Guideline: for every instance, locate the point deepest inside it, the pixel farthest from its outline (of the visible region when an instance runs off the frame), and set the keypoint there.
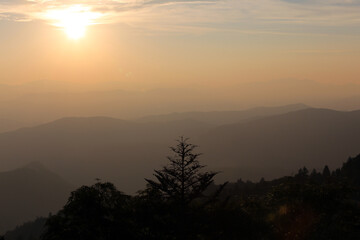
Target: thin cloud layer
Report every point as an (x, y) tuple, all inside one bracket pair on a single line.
[(197, 15)]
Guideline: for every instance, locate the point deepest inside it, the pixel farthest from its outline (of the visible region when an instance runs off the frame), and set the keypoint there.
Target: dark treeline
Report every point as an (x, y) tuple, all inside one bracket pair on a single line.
[(28, 231), (182, 202)]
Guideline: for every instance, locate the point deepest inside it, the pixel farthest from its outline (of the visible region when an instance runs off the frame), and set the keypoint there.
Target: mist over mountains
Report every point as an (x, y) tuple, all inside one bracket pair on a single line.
[(34, 103), (125, 152), (225, 117), (10, 124)]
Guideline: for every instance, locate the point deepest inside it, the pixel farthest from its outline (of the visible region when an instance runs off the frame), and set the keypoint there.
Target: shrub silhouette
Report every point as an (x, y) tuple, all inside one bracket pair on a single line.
[(92, 213)]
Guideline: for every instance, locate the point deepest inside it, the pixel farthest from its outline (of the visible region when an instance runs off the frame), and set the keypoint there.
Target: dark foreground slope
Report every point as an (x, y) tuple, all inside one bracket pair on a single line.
[(318, 205), (29, 192), (31, 230)]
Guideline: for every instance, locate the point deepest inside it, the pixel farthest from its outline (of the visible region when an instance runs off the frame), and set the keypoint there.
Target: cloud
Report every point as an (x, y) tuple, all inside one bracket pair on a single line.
[(200, 15)]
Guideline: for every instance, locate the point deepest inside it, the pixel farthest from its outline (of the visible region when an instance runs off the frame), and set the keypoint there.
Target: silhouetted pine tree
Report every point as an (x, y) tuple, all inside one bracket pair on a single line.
[(182, 181)]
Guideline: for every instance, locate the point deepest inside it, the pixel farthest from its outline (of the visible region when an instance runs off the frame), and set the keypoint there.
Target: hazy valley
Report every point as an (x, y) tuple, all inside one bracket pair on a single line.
[(179, 120)]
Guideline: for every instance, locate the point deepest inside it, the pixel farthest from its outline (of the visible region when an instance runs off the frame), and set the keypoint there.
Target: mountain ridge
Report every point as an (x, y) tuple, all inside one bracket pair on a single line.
[(225, 117), (28, 192), (311, 137), (124, 152)]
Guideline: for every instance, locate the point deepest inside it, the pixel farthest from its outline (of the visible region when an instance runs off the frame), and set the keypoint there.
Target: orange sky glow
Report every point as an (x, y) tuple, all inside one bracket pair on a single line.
[(150, 44)]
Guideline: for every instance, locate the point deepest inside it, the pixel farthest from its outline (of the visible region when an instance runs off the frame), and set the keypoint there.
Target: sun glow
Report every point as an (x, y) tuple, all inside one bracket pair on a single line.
[(73, 20)]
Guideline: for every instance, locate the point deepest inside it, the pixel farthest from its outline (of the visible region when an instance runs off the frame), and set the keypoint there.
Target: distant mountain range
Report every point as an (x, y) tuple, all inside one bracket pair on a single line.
[(276, 145), (33, 103), (10, 125), (29, 192), (268, 142), (225, 117)]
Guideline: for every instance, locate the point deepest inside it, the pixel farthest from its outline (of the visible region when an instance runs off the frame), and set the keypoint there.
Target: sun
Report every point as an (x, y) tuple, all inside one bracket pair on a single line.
[(74, 20)]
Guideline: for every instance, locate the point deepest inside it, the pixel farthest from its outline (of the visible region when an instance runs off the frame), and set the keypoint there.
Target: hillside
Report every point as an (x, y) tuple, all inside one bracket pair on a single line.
[(11, 125), (82, 149), (125, 152), (277, 145), (29, 192), (328, 202)]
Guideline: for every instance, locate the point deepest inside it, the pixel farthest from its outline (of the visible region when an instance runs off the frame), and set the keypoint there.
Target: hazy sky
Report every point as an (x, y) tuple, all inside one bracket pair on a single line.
[(144, 44)]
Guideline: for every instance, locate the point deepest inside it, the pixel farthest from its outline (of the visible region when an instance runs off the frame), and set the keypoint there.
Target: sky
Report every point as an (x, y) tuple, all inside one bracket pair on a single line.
[(205, 44)]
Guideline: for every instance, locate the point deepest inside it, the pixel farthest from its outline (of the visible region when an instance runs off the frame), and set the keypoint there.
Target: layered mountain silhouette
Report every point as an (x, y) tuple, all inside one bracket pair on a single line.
[(82, 149), (226, 117), (274, 146), (45, 101), (124, 152), (10, 124), (29, 192)]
